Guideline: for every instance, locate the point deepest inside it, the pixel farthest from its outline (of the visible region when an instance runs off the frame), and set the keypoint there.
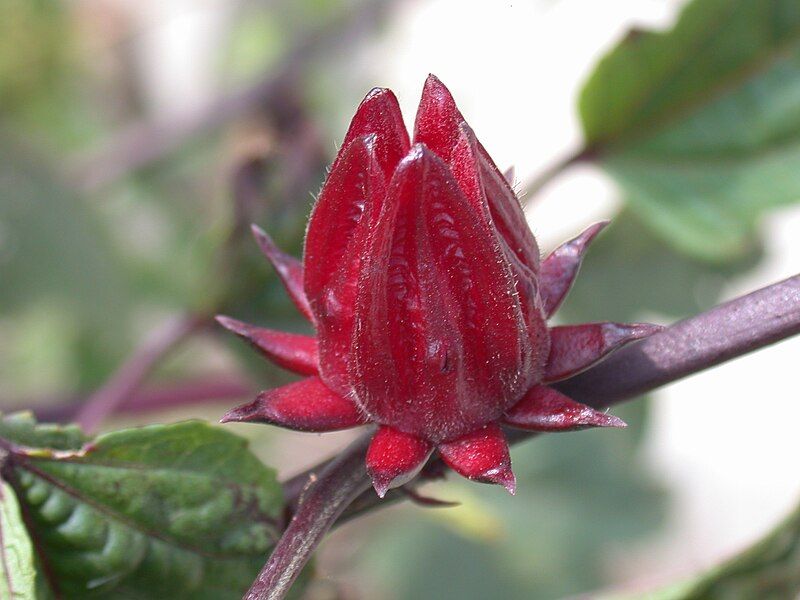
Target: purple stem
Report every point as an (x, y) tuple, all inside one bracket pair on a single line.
[(220, 388), (326, 496), (127, 380), (727, 331)]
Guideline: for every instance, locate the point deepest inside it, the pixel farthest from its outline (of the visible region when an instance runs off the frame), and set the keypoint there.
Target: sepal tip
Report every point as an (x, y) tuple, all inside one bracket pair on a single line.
[(394, 458), (245, 413)]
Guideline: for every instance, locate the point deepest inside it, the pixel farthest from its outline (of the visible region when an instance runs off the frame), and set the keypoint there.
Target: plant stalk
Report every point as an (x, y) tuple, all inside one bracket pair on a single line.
[(324, 499)]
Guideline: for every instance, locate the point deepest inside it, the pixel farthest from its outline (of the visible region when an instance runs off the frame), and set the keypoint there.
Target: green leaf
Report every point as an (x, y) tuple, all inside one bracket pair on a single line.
[(22, 429), (700, 125), (768, 570), (17, 574), (165, 511)]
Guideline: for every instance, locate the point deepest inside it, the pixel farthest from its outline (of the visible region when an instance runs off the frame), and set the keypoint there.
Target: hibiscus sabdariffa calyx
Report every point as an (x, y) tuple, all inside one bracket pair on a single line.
[(429, 298)]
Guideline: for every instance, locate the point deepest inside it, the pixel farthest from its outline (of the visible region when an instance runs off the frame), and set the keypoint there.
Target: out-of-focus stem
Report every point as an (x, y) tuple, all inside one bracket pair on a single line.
[(144, 143), (534, 186), (220, 388), (129, 377)]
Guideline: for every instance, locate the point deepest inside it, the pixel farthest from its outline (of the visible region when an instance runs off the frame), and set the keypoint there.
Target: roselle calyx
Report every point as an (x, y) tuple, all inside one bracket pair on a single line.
[(430, 304)]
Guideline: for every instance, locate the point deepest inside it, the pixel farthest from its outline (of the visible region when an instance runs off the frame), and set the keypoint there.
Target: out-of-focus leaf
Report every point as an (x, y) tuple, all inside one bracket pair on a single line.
[(256, 42), (32, 40), (52, 246), (628, 274), (768, 570), (17, 574), (175, 511), (700, 125)]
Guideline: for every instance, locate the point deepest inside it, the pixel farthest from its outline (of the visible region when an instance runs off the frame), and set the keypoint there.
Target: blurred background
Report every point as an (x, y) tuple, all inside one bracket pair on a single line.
[(139, 138)]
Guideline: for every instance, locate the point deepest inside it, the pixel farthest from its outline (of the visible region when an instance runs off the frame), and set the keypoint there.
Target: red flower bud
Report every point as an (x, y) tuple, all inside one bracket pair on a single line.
[(430, 301)]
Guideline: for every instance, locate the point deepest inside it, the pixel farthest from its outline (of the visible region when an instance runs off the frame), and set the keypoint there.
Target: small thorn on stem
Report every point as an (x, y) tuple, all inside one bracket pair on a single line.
[(427, 501)]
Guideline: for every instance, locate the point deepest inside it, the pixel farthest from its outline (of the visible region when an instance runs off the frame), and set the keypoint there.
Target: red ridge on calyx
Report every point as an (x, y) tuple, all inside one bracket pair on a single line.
[(439, 328), (545, 409), (504, 217), (481, 455), (289, 269), (440, 125), (394, 458), (480, 177), (306, 405), (291, 351), (507, 213), (560, 268), (335, 246), (574, 348), (353, 191)]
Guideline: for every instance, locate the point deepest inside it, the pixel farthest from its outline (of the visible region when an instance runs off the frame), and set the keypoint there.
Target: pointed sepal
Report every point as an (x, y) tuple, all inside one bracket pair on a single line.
[(438, 118), (307, 405), (441, 127), (297, 353), (560, 268), (546, 409), (379, 115), (289, 269), (394, 458), (481, 456), (575, 348)]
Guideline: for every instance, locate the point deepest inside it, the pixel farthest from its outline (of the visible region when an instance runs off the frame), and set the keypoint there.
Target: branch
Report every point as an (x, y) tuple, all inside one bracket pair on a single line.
[(326, 496), (130, 376), (188, 392), (728, 331), (144, 143), (534, 186)]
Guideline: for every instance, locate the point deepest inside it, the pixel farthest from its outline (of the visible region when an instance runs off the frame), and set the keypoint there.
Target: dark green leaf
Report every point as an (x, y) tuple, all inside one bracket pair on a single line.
[(700, 125), (17, 574), (166, 511)]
